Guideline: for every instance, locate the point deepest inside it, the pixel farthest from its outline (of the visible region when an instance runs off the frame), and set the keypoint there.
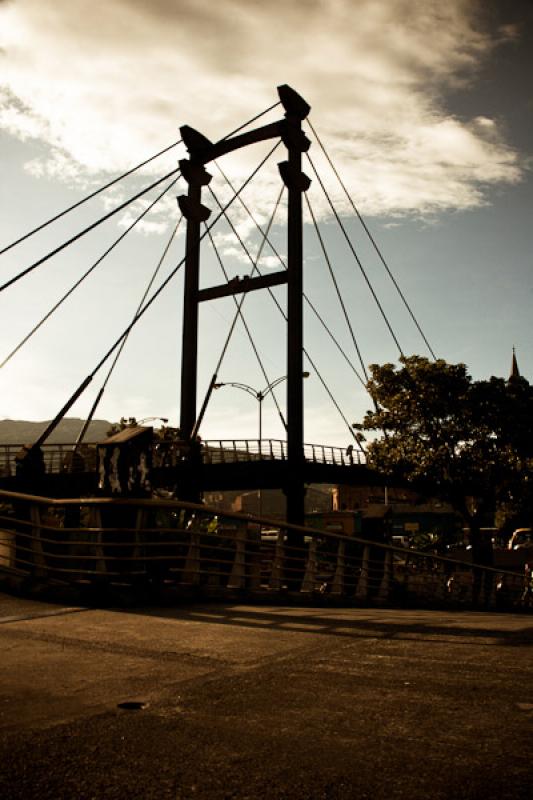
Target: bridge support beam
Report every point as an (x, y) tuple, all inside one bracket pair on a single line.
[(297, 183), (202, 151), (195, 213)]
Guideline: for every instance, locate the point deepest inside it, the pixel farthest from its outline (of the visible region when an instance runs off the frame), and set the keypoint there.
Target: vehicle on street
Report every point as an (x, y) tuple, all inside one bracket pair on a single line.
[(521, 538)]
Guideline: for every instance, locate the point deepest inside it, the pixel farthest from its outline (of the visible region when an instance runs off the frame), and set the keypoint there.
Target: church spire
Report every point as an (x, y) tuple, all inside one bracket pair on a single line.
[(515, 372)]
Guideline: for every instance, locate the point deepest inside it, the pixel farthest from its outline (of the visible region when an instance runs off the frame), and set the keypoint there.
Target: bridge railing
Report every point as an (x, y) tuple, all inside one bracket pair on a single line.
[(60, 457), (179, 546), (57, 458), (220, 451)]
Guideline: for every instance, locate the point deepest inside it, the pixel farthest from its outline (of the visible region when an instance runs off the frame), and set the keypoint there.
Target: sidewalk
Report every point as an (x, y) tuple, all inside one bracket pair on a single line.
[(264, 702)]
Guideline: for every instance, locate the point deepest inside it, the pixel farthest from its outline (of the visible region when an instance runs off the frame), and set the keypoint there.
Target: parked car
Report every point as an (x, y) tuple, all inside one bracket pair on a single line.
[(521, 538)]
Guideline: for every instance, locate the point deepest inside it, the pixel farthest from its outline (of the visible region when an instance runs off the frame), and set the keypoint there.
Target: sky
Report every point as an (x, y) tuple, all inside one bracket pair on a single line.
[(425, 109)]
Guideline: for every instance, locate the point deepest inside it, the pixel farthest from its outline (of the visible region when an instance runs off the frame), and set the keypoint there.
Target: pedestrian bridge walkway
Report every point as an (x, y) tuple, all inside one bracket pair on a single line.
[(59, 457)]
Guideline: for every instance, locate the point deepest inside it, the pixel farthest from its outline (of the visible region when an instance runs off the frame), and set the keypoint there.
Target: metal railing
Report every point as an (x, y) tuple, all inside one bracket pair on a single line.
[(57, 458), (220, 451), (60, 457), (184, 545)]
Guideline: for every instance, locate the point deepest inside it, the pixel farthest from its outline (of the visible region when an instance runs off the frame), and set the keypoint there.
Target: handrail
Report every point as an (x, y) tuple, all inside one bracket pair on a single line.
[(190, 545), (213, 451)]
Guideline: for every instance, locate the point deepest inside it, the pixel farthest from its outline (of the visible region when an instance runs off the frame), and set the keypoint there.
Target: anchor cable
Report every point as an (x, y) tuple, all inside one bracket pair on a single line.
[(111, 183), (255, 268), (373, 241), (336, 285), (306, 298), (99, 396), (112, 212), (88, 229), (243, 319), (88, 197), (276, 302), (81, 388), (86, 274), (358, 260)]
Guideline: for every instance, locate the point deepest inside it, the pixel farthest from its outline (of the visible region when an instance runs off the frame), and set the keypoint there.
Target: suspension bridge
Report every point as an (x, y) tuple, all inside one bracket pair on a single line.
[(292, 460), (121, 532)]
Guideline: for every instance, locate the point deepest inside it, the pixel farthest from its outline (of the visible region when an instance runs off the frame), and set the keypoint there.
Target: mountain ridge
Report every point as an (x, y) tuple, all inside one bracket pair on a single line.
[(14, 431)]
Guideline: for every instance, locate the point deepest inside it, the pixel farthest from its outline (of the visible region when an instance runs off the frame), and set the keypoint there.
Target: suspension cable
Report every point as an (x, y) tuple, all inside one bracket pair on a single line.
[(81, 388), (245, 324), (87, 229), (306, 298), (372, 240), (253, 119), (99, 396), (332, 398), (336, 285), (88, 197), (255, 268), (113, 211), (111, 183), (276, 302), (86, 274), (354, 253)]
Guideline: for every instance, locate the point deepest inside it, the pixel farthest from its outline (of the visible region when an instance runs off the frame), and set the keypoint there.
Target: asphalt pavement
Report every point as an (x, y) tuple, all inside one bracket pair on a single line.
[(217, 701)]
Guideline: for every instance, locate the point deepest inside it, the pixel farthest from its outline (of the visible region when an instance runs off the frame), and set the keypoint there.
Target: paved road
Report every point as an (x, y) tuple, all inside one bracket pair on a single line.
[(264, 702)]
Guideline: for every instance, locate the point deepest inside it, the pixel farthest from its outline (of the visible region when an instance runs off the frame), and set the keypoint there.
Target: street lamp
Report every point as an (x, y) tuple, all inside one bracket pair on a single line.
[(259, 396), (152, 419)]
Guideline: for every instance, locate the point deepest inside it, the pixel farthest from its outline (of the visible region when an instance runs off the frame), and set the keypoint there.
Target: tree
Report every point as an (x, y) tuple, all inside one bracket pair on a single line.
[(468, 442)]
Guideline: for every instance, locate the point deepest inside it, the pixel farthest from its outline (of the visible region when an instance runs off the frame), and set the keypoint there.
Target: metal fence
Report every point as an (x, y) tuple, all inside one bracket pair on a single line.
[(188, 546), (57, 458), (225, 451), (62, 458)]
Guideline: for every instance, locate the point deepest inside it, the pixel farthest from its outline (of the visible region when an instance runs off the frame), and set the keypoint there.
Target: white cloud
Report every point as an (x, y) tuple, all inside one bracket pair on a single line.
[(106, 86)]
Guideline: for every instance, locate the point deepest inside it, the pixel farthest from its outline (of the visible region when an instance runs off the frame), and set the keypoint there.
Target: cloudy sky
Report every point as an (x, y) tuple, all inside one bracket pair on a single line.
[(425, 107)]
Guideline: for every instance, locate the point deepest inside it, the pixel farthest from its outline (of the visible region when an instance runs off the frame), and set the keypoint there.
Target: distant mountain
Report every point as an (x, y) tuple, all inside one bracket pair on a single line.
[(22, 432)]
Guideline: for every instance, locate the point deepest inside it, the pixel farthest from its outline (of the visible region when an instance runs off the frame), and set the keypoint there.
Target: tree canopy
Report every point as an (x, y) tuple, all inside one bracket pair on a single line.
[(468, 442)]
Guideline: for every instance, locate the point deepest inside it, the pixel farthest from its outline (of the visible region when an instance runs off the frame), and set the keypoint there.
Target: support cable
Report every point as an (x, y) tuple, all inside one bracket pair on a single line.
[(253, 119), (256, 269), (87, 229), (86, 274), (113, 212), (99, 396), (372, 240), (354, 253), (284, 315), (306, 298), (245, 324), (336, 285), (239, 304), (332, 398), (88, 197), (81, 388)]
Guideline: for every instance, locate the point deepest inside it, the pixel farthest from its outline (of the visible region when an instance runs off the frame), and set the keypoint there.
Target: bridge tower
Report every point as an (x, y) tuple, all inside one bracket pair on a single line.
[(201, 152)]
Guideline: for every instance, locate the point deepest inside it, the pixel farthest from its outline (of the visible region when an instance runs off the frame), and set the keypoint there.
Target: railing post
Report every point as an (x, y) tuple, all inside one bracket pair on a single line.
[(95, 521), (361, 592), (36, 543), (237, 578), (386, 581), (309, 581), (191, 570), (337, 586), (276, 575)]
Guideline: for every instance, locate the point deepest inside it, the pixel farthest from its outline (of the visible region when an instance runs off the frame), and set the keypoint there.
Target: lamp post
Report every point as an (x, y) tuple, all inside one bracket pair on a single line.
[(259, 396), (152, 419)]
